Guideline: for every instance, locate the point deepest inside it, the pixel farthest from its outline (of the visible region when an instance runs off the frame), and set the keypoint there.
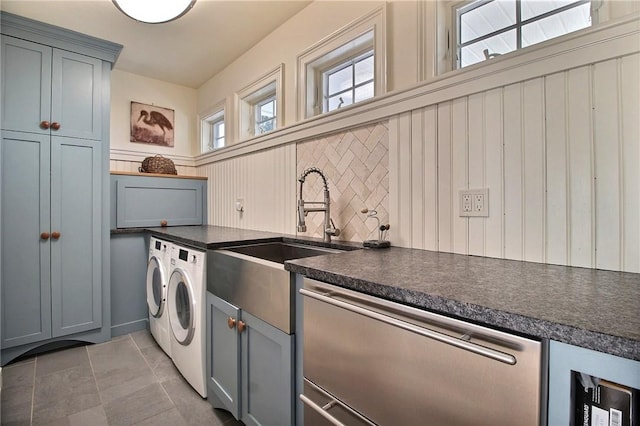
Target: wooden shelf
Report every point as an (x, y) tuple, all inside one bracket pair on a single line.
[(115, 172)]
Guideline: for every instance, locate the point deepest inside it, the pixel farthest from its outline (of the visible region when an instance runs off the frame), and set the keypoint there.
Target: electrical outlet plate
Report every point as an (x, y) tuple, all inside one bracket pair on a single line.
[(474, 202)]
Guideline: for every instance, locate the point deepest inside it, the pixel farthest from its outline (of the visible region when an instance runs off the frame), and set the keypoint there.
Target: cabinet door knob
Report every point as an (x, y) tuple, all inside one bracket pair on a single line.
[(44, 125), (163, 223), (44, 236), (55, 235), (241, 326), (55, 125), (231, 322)]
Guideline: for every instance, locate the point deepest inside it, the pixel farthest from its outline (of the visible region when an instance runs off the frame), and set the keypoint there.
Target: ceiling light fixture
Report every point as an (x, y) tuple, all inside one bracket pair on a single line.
[(154, 11)]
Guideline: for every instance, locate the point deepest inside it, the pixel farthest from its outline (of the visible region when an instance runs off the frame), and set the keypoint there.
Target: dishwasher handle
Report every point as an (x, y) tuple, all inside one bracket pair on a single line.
[(318, 409), (458, 343)]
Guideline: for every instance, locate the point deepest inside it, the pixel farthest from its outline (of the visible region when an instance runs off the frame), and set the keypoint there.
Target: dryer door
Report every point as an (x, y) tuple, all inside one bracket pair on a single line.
[(156, 287), (182, 308)]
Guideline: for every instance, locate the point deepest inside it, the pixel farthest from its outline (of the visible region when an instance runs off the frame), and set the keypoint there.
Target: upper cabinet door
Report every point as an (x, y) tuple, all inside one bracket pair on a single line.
[(76, 95), (26, 85)]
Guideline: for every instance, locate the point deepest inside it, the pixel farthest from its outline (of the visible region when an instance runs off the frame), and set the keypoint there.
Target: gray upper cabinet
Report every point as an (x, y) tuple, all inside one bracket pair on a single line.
[(45, 90), (54, 187), (147, 201), (26, 85)]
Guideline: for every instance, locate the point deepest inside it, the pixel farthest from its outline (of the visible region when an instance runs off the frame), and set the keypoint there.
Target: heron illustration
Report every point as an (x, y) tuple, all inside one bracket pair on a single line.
[(156, 119)]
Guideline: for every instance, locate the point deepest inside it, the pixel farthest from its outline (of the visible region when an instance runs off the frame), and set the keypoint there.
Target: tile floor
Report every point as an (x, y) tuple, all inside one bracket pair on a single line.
[(126, 381)]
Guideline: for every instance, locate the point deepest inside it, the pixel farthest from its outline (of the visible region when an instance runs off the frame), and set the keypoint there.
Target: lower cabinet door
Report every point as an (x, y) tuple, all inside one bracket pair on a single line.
[(223, 355), (267, 381), (76, 242), (25, 243)]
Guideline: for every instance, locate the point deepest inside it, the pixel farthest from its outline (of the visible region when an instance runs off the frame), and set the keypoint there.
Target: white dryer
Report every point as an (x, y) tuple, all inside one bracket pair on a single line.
[(187, 314), (157, 286)]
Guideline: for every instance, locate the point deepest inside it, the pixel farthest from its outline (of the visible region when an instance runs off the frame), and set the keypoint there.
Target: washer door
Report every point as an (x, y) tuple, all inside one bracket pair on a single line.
[(156, 287), (182, 308)]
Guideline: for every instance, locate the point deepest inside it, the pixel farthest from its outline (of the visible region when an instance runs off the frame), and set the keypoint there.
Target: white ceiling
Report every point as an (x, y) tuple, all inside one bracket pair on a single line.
[(187, 51)]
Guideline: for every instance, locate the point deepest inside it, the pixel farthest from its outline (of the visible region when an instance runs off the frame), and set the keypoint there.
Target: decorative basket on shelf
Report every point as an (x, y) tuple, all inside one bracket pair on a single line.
[(158, 164)]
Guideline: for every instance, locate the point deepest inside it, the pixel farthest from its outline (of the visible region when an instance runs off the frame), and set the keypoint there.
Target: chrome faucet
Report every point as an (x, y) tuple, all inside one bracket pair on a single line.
[(329, 227)]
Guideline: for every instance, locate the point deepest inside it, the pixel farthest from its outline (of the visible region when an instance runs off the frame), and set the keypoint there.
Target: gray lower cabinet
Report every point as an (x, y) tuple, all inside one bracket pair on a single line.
[(51, 237), (129, 257), (249, 366)]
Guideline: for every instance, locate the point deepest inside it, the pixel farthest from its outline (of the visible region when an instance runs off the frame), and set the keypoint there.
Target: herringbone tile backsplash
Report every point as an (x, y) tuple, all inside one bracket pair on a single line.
[(356, 163)]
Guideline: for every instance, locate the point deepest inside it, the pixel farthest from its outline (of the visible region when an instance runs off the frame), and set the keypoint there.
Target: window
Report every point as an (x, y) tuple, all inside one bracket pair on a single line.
[(347, 67), (349, 82), (265, 115), (218, 134), (259, 105), (489, 28), (212, 129)]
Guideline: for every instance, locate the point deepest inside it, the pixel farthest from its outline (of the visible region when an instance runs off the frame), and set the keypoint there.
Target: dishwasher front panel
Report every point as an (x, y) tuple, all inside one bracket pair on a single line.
[(397, 365)]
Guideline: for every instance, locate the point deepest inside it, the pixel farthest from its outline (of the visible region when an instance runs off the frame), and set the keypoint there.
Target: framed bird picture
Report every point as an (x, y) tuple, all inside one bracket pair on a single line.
[(152, 124)]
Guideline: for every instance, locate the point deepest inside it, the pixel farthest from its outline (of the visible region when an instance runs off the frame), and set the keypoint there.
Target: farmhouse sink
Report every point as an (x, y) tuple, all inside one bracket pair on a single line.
[(280, 252), (252, 277)]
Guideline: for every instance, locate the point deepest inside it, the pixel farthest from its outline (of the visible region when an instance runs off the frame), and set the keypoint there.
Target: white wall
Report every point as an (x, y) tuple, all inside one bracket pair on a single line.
[(559, 154), (312, 24), (552, 132), (127, 87)]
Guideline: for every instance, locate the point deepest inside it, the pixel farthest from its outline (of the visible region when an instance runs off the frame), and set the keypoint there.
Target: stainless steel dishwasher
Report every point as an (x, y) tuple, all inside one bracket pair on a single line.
[(370, 361)]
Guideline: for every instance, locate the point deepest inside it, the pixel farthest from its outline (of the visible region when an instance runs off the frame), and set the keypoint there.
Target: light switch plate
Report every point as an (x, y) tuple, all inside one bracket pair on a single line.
[(474, 202)]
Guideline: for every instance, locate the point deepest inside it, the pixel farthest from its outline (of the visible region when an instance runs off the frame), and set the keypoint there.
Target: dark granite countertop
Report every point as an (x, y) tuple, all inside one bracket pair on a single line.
[(215, 237), (589, 308)]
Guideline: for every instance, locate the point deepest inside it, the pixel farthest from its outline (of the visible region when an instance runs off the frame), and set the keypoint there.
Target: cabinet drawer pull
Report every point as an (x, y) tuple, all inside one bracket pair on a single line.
[(231, 322), (44, 125), (44, 236), (163, 223), (55, 125), (241, 326), (55, 235)]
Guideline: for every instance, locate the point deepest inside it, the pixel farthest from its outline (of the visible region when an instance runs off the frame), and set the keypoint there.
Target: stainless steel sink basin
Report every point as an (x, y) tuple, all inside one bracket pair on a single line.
[(279, 252), (252, 277)]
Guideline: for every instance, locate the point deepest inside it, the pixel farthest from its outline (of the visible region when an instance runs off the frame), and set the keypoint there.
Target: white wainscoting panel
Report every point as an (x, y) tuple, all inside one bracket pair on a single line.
[(560, 155), (265, 180)]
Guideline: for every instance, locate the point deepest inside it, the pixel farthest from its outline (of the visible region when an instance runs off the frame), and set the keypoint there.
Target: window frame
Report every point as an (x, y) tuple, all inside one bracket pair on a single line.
[(365, 33), (339, 66), (266, 87), (459, 9), (208, 119)]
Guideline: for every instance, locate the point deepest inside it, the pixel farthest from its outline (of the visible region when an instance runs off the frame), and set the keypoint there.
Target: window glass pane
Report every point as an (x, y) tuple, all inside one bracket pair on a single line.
[(218, 135), (266, 110), (266, 126), (364, 92), (531, 8), (498, 44), (340, 80), (486, 19), (340, 101), (364, 70), (556, 25)]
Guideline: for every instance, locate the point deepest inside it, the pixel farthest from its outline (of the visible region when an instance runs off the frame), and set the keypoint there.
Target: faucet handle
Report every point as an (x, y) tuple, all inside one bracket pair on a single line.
[(333, 230)]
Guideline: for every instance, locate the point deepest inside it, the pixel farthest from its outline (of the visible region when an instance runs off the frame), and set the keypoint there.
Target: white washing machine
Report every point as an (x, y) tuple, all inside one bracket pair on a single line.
[(187, 315), (157, 286)]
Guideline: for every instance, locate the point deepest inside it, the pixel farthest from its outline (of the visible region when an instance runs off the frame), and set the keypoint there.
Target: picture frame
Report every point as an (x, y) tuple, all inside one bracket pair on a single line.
[(152, 124)]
